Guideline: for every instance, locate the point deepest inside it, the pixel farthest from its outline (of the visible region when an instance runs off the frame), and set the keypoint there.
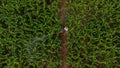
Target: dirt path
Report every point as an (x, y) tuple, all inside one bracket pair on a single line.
[(63, 35)]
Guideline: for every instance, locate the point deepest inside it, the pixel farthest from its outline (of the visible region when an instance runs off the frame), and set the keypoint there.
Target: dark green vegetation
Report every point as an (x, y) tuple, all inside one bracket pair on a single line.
[(29, 33)]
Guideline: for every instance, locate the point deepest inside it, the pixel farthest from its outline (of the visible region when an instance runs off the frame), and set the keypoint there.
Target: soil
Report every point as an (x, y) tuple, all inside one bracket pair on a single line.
[(63, 36), (64, 50)]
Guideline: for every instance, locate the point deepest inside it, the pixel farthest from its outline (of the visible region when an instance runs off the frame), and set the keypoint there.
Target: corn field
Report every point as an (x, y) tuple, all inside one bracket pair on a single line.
[(29, 33)]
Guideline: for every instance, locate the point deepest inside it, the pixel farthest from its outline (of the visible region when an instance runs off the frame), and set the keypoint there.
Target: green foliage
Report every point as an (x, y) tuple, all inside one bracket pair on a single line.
[(29, 33)]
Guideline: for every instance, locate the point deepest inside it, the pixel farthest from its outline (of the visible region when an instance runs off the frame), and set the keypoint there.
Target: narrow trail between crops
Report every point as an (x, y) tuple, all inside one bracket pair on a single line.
[(63, 35)]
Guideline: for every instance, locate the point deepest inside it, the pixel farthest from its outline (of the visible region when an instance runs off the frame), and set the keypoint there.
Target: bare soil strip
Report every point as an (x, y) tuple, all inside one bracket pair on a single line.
[(63, 36)]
